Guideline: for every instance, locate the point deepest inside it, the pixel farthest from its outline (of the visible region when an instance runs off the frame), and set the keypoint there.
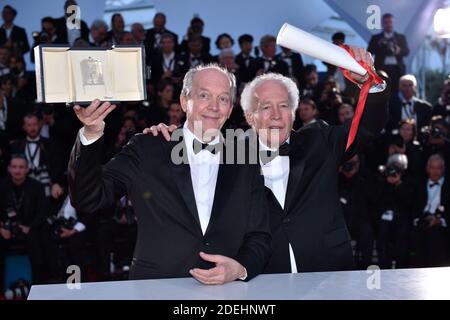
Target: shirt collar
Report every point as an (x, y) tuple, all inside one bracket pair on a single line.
[(170, 56), (189, 137), (263, 147), (440, 181)]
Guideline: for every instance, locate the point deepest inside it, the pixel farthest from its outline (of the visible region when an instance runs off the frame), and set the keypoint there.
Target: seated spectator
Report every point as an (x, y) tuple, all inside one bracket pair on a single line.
[(432, 216)]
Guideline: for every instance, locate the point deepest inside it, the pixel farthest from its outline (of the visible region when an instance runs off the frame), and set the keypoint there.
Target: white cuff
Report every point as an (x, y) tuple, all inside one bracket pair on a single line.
[(79, 227), (245, 275), (86, 142)]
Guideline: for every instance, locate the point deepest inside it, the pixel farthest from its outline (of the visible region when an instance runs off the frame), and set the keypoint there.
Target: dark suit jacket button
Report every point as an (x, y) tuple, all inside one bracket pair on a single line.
[(206, 243), (286, 220)]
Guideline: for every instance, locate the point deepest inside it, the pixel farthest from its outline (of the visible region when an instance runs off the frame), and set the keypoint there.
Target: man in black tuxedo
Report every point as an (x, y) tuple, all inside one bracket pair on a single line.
[(389, 48), (309, 232), (69, 36), (166, 63), (185, 201), (294, 61), (153, 36), (405, 105), (195, 55), (432, 216), (12, 36), (196, 30), (269, 62), (245, 60), (43, 158)]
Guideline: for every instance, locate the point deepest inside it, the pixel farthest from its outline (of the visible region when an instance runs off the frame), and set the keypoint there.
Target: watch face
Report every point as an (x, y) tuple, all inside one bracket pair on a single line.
[(92, 72)]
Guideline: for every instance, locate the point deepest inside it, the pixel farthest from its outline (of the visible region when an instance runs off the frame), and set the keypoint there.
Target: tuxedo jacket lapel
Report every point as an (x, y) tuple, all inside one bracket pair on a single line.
[(182, 178), (296, 168)]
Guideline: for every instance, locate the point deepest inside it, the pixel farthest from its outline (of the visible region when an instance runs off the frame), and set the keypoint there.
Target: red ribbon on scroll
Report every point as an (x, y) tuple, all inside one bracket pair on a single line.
[(373, 79)]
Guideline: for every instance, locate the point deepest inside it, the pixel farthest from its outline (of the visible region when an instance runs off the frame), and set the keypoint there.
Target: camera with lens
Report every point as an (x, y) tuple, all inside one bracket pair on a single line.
[(396, 165), (12, 223), (432, 132), (348, 166), (40, 37), (59, 223), (425, 220)]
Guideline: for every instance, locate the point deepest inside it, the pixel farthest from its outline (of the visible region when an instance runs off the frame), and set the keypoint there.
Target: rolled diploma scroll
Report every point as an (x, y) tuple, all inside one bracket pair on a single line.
[(304, 42)]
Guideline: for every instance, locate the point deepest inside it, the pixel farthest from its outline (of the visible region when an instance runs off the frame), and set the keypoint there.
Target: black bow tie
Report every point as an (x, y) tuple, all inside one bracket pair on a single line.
[(32, 142), (406, 103), (198, 146), (267, 155), (433, 184)]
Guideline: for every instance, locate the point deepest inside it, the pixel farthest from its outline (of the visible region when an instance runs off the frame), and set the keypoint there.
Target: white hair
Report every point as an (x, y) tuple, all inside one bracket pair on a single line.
[(409, 77), (436, 157), (189, 78), (248, 95)]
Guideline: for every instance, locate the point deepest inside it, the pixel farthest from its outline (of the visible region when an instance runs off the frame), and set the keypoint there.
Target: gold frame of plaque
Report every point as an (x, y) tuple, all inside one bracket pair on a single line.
[(79, 75)]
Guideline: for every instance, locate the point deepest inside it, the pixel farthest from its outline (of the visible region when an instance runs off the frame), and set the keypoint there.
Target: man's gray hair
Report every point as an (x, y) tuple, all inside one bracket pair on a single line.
[(99, 23), (436, 157), (189, 78), (248, 98)]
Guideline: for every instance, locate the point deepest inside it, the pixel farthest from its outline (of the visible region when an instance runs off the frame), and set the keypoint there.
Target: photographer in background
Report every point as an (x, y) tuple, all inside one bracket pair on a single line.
[(442, 106), (402, 140), (23, 208), (47, 35), (394, 208), (435, 138), (432, 217), (389, 48), (68, 239)]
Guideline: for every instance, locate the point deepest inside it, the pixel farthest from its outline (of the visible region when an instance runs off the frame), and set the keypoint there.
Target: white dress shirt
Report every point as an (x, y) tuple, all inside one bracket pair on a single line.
[(276, 176), (68, 211), (434, 197), (168, 62), (204, 169), (30, 151)]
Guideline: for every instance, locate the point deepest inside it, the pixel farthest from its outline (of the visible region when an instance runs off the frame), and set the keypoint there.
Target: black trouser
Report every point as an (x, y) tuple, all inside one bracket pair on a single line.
[(34, 247), (393, 243), (117, 239), (72, 251), (365, 243)]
